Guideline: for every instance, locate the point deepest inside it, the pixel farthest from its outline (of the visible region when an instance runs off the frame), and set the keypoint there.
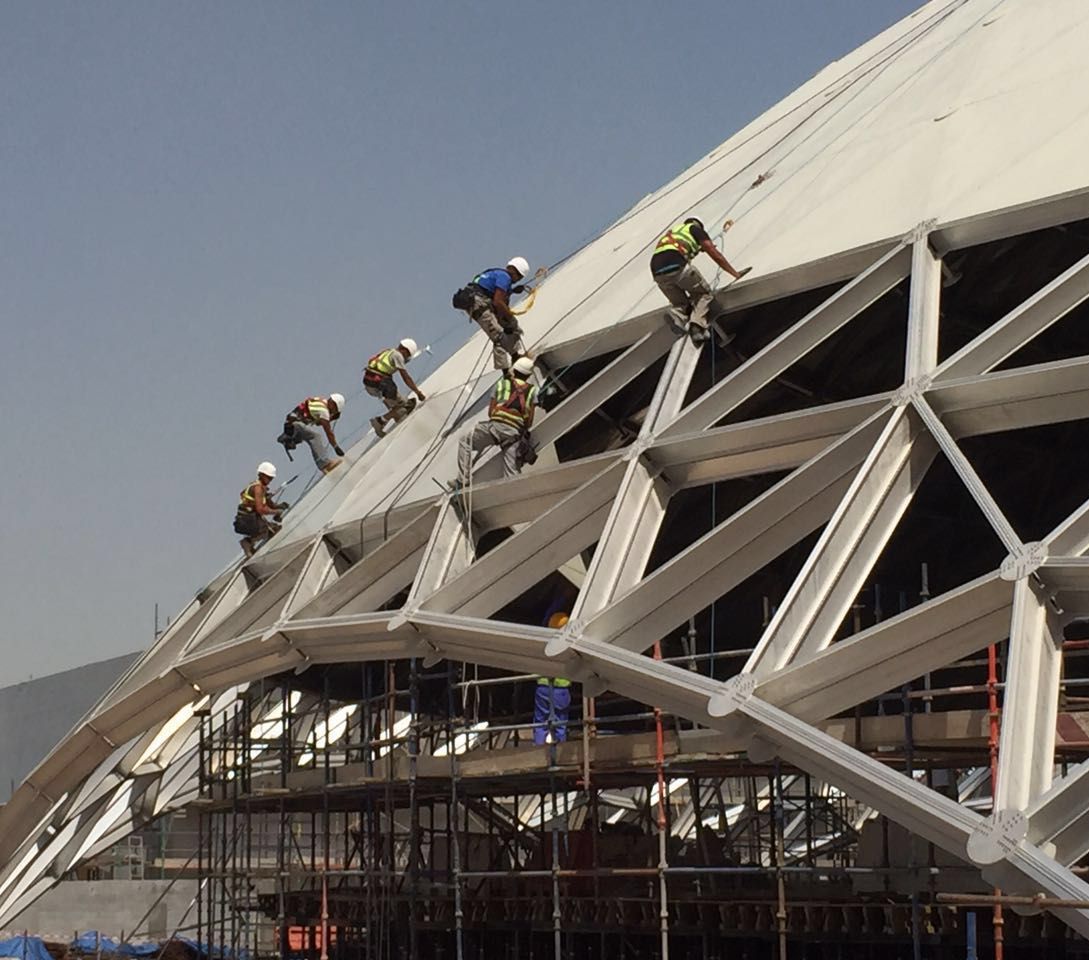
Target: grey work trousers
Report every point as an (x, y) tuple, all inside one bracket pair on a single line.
[(314, 437), (503, 344), (490, 433), (397, 405), (689, 293)]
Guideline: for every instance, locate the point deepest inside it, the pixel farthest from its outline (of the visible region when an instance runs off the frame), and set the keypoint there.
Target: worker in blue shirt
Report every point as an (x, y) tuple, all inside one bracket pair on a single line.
[(487, 301)]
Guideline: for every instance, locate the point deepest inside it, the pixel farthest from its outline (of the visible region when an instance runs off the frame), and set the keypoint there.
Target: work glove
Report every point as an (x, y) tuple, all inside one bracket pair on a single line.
[(339, 451), (741, 273)]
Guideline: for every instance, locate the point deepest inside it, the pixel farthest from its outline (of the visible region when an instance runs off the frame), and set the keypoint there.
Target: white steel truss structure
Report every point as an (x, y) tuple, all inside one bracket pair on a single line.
[(848, 469)]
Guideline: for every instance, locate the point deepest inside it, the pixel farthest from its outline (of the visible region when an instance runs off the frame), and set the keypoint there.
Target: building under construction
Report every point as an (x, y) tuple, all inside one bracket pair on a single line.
[(825, 573)]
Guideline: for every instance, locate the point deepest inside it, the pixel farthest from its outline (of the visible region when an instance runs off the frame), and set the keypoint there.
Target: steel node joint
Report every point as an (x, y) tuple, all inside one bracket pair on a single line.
[(1024, 562), (565, 640), (732, 696), (912, 390), (996, 838), (920, 232), (403, 617)]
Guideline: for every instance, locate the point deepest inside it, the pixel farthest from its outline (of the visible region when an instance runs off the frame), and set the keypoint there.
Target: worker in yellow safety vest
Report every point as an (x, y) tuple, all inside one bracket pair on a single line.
[(683, 285), (255, 506), (552, 702), (378, 382), (311, 422), (510, 415)]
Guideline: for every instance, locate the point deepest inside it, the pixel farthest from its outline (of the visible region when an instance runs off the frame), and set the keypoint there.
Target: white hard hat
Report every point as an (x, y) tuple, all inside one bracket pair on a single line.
[(521, 264), (410, 345), (338, 399), (267, 469), (524, 366)]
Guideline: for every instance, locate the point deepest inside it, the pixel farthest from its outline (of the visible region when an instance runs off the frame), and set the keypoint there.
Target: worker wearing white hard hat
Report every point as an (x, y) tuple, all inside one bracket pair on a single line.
[(487, 301), (311, 422), (510, 416), (378, 382), (255, 507)]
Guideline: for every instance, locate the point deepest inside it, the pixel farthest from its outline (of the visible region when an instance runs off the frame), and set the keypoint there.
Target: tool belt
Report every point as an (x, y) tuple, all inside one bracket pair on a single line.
[(380, 386), (463, 298), (248, 524), (525, 453), (287, 438)]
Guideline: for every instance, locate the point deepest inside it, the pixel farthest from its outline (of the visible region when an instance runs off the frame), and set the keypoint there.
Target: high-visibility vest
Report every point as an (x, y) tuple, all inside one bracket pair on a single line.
[(679, 238), (553, 682), (514, 401), (381, 365), (247, 499), (313, 409)]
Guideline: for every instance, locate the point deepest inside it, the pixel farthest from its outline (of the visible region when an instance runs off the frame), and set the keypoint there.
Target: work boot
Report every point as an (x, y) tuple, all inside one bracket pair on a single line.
[(379, 426), (678, 328), (697, 332)]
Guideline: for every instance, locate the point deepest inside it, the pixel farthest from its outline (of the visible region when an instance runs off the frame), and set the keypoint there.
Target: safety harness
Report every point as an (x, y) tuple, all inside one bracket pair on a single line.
[(380, 367), (514, 401), (247, 499), (679, 238), (311, 410)]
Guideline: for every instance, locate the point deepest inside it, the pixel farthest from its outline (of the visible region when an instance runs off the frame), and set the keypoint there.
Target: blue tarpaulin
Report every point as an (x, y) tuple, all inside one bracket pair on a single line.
[(24, 948), (89, 941)]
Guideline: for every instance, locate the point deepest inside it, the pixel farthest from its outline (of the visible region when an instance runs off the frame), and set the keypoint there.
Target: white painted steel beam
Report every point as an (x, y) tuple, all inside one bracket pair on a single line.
[(813, 610), (1060, 816), (602, 386), (320, 569), (758, 446), (1026, 752), (1030, 318), (932, 635), (381, 574), (507, 504), (921, 356), (639, 507), (533, 552), (967, 473), (794, 343), (450, 549), (1014, 399), (737, 548), (1071, 537), (259, 607)]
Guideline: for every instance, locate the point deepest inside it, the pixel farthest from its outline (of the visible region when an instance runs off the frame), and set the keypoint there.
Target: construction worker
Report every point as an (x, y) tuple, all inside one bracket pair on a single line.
[(311, 422), (552, 701), (487, 301), (510, 415), (255, 505), (378, 382), (683, 285)]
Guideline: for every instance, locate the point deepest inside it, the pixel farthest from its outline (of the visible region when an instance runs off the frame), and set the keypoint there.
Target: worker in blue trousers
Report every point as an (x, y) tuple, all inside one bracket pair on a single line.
[(552, 702)]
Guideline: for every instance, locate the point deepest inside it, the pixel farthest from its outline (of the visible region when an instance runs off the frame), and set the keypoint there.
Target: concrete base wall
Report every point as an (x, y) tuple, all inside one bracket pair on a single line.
[(109, 906)]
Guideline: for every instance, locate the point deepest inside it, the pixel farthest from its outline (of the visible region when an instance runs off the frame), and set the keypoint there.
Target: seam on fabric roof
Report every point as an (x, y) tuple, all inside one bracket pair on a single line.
[(922, 28)]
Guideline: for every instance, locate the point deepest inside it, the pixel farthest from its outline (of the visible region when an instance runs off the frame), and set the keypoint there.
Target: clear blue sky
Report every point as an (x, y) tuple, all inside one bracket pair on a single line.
[(210, 210)]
